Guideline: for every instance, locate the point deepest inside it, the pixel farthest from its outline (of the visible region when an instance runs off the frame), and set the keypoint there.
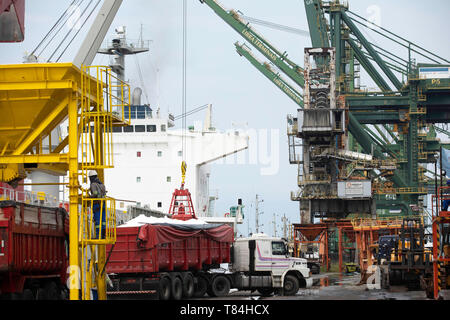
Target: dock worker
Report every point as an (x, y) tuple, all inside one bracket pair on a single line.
[(98, 191)]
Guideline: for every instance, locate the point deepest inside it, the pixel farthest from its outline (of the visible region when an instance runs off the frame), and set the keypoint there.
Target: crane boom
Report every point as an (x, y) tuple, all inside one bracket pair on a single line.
[(317, 24), (97, 33), (291, 69), (273, 76), (354, 127)]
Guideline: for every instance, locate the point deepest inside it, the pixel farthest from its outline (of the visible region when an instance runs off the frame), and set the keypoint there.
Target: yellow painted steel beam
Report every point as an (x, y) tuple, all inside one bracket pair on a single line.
[(37, 85), (62, 145), (6, 128), (59, 169), (74, 259), (32, 158), (44, 128), (43, 184)]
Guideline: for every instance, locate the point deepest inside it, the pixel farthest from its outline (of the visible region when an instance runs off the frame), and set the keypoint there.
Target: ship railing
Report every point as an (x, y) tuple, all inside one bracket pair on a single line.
[(98, 221), (28, 197)]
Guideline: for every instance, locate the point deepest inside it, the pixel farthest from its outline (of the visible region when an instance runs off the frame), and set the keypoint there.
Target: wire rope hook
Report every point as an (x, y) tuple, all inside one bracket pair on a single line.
[(183, 173), (184, 95)]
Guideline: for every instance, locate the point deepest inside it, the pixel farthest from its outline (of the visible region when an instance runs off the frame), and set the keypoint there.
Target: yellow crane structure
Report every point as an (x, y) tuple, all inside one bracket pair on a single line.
[(34, 100), (37, 98)]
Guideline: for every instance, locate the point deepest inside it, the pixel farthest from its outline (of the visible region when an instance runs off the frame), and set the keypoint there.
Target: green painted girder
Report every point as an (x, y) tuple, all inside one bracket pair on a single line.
[(368, 66), (266, 70), (387, 71), (395, 147), (317, 24), (363, 137), (279, 59), (295, 73), (377, 117), (391, 204), (368, 144), (438, 116), (436, 98), (358, 101), (432, 145), (440, 130)]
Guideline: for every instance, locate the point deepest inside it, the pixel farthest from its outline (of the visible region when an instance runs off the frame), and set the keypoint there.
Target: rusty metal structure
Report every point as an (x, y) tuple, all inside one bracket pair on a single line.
[(315, 235), (441, 242)]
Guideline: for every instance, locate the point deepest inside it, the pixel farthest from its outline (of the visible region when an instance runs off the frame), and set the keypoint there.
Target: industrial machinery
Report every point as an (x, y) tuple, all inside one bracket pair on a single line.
[(404, 259), (181, 206), (389, 132), (312, 257), (441, 244), (397, 136), (311, 243), (178, 261), (37, 99)]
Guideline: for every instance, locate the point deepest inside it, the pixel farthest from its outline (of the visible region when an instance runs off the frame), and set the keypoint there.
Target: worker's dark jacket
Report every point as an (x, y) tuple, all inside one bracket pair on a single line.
[(97, 190)]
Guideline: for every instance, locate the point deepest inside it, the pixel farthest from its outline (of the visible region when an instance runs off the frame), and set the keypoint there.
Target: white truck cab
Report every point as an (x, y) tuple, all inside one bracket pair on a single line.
[(264, 263)]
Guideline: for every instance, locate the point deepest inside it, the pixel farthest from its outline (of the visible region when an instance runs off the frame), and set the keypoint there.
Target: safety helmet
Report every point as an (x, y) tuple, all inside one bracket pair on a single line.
[(92, 173)]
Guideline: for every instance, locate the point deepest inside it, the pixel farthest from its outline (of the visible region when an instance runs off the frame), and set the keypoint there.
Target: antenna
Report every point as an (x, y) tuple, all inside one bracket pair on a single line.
[(257, 213), (274, 222), (285, 224)]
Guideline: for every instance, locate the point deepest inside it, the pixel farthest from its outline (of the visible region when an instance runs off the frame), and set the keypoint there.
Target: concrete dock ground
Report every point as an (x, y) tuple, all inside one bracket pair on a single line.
[(335, 286)]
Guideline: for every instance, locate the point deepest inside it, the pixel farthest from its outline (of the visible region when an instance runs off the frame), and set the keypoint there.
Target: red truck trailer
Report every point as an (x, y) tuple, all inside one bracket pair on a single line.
[(166, 260), (33, 251)]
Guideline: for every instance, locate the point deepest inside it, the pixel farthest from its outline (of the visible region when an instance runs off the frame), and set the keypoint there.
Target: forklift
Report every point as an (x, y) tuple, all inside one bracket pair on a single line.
[(403, 259)]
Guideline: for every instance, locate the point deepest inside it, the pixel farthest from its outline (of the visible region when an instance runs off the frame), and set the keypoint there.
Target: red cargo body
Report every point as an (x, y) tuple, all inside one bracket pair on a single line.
[(32, 245), (12, 20), (164, 248)]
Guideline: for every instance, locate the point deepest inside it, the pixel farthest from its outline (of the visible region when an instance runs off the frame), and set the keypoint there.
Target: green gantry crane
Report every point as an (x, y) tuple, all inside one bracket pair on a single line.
[(403, 112)]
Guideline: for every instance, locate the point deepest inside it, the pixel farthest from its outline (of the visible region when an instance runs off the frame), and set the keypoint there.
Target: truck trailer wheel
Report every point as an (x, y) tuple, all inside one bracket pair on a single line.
[(188, 286), (220, 286), (266, 292), (40, 294), (164, 290), (27, 295), (52, 291), (291, 285), (177, 288), (201, 287)]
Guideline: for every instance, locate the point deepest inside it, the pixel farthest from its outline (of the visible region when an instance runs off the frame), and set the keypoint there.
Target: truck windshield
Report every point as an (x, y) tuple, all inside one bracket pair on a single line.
[(278, 248)]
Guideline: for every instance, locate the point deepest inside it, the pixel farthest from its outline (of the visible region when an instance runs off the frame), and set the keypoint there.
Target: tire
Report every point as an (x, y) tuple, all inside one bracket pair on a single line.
[(220, 286), (28, 295), (51, 291), (164, 289), (315, 269), (188, 286), (291, 285), (201, 287), (266, 292), (40, 294), (177, 288)]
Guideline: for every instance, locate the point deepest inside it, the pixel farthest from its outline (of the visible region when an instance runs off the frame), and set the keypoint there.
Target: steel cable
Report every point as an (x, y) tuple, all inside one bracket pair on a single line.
[(184, 83), (63, 23), (76, 34), (54, 27), (70, 31)]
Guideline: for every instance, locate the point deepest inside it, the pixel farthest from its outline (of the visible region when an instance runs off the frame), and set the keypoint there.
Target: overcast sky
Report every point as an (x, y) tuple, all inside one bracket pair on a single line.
[(218, 75)]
